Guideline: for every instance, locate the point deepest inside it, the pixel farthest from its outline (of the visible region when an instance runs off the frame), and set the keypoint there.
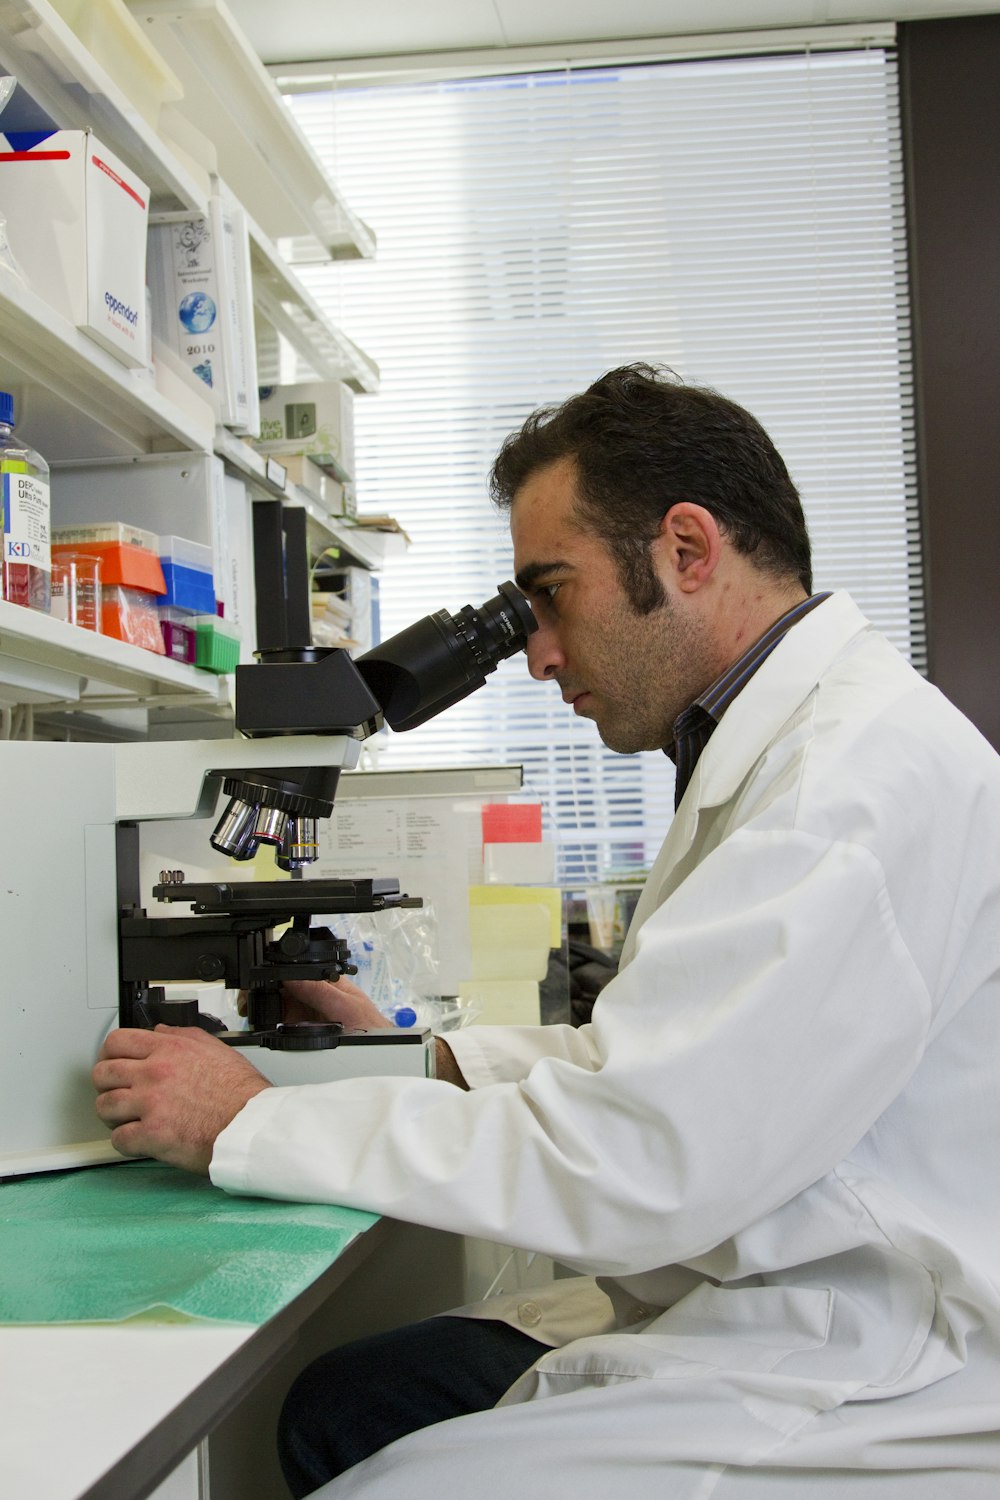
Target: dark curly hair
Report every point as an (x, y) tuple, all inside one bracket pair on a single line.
[(642, 440)]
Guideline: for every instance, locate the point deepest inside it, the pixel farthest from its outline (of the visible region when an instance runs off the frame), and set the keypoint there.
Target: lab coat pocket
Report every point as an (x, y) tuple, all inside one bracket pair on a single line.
[(744, 1328), (715, 1371), (712, 1329)]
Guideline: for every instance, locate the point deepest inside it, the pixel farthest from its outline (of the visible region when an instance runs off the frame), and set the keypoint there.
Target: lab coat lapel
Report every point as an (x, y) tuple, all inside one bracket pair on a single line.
[(749, 726)]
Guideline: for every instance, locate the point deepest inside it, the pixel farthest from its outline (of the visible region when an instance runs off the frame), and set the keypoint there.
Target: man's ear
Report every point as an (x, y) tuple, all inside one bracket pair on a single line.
[(689, 545)]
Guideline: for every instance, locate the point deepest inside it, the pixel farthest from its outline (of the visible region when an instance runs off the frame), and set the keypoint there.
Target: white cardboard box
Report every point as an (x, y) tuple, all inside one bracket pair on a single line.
[(76, 222), (315, 418)]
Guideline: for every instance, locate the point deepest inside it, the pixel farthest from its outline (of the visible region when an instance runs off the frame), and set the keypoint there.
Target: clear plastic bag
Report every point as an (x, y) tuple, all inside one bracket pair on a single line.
[(396, 954)]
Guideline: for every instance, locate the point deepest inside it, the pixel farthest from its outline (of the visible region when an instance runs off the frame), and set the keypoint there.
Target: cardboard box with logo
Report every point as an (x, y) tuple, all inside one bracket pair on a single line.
[(314, 419), (76, 223)]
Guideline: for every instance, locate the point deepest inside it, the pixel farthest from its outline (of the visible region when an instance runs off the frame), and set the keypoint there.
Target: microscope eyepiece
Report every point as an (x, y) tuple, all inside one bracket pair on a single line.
[(442, 658)]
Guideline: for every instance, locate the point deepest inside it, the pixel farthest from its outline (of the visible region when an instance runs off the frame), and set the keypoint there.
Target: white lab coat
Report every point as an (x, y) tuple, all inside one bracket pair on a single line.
[(776, 1143)]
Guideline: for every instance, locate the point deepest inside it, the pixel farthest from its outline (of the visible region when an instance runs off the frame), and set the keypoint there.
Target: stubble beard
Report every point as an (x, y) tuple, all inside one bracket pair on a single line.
[(661, 660)]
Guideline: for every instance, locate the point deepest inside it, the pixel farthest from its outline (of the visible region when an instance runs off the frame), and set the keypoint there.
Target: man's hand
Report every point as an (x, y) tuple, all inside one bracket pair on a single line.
[(168, 1093), (321, 1000)]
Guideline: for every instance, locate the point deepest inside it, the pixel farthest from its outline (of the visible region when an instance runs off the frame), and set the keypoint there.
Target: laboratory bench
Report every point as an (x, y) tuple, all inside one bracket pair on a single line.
[(163, 1403)]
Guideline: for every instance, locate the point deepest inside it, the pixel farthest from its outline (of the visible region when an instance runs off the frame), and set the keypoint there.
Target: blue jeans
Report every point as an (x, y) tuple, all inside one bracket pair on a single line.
[(357, 1399)]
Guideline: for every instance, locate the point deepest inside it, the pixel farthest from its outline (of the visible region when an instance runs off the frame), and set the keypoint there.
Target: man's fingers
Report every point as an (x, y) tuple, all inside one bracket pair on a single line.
[(196, 1034), (129, 1140), (116, 1106), (112, 1073), (168, 1093), (127, 1042)]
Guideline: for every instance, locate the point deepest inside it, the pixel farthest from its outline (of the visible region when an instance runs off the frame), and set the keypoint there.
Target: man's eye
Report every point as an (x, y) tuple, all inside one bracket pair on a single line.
[(549, 591)]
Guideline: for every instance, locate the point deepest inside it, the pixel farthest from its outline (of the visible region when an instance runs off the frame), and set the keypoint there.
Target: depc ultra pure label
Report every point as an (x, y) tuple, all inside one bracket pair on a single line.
[(26, 521)]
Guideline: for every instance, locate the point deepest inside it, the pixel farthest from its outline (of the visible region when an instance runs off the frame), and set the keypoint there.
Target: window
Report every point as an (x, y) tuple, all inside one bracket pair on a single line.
[(740, 220)]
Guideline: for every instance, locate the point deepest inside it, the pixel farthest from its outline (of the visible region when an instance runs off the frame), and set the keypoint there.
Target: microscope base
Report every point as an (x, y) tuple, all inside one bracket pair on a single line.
[(358, 1054)]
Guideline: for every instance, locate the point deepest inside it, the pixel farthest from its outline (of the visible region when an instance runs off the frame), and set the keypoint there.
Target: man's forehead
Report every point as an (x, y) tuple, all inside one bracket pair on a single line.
[(544, 545), (543, 517)]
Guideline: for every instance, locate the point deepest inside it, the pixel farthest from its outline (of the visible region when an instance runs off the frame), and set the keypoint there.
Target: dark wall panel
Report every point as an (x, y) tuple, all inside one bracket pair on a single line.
[(950, 76)]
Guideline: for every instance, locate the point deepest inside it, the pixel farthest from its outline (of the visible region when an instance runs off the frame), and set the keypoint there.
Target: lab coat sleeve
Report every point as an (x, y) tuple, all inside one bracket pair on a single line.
[(506, 1054), (770, 1014)]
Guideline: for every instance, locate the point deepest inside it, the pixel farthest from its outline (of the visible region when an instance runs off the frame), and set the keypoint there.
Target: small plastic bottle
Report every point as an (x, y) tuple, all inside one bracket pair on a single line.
[(27, 557)]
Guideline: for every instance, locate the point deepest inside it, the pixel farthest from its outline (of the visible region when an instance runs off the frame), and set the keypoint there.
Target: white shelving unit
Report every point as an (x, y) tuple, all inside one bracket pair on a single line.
[(47, 661), (324, 530), (290, 309), (75, 401), (263, 155), (82, 398), (88, 405), (40, 50), (330, 531)]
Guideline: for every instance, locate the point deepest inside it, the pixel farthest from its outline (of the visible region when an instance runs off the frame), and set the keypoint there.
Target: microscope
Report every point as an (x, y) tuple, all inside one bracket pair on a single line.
[(82, 953)]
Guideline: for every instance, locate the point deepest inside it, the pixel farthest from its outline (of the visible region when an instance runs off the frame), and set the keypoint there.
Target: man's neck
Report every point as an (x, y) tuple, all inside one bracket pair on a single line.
[(749, 616)]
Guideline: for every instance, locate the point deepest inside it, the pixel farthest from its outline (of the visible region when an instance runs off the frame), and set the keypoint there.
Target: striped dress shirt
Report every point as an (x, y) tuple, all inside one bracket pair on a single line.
[(693, 728)]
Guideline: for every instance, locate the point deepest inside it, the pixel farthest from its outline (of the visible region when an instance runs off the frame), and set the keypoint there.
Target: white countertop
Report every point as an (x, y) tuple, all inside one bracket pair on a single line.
[(106, 1411)]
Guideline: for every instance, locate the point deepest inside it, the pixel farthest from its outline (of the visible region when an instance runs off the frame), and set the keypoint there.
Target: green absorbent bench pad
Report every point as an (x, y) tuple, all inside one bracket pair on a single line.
[(112, 1242)]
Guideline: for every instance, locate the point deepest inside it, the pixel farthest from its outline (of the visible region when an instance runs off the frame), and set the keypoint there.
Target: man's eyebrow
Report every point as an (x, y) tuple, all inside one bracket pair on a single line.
[(529, 576)]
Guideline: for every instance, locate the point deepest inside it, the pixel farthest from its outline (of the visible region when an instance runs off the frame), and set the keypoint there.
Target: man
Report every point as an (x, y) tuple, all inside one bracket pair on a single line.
[(776, 1142)]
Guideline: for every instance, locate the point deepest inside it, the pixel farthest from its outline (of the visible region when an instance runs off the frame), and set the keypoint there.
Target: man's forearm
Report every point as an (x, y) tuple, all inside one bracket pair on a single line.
[(446, 1066)]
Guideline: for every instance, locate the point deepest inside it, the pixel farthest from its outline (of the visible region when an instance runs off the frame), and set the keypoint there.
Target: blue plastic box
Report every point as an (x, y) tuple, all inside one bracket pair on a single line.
[(188, 588)]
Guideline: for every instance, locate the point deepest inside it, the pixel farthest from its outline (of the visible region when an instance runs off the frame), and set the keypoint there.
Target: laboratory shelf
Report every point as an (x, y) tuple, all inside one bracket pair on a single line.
[(263, 156), (61, 76), (73, 399), (292, 311), (364, 546), (333, 531), (43, 660), (247, 464), (64, 80)]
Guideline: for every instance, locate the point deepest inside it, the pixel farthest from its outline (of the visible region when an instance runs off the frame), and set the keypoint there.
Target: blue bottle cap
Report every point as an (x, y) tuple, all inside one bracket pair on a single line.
[(405, 1015), (6, 408)]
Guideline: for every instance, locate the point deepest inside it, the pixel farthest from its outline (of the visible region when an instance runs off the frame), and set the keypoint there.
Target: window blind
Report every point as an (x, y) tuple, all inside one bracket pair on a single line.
[(740, 220)]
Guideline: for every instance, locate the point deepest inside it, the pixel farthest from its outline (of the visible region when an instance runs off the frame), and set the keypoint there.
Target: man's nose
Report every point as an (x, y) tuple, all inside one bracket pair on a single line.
[(545, 656)]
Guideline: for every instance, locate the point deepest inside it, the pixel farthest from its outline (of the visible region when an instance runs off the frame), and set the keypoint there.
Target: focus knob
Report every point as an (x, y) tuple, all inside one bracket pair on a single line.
[(303, 1036)]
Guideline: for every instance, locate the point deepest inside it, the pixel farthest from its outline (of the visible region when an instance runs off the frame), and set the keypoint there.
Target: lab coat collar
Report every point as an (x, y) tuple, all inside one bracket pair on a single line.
[(772, 695), (750, 725), (751, 722)]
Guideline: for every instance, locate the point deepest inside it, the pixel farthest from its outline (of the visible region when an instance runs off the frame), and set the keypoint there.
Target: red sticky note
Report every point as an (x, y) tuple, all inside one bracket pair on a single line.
[(512, 823)]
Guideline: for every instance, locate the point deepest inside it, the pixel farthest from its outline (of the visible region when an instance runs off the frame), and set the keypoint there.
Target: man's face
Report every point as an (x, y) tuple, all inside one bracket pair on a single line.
[(631, 673)]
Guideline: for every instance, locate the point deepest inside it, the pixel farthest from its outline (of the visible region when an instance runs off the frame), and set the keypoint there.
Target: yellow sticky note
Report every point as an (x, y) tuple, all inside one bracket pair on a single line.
[(521, 895)]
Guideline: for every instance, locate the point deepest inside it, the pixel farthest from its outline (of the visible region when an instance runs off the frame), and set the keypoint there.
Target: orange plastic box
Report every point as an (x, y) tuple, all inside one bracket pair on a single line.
[(121, 563)]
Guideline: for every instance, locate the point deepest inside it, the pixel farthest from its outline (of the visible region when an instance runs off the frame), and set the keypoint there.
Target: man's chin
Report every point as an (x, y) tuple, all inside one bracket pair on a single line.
[(624, 740), (618, 741)]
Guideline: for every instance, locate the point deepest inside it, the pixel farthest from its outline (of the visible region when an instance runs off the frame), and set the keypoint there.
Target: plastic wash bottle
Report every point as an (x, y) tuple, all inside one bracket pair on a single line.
[(27, 557)]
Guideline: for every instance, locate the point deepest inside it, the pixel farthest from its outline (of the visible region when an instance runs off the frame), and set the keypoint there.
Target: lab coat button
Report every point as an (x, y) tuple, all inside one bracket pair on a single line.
[(638, 1315), (529, 1313)]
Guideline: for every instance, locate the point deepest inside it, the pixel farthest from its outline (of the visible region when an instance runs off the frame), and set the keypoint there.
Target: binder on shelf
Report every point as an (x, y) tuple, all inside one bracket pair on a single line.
[(202, 304)]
